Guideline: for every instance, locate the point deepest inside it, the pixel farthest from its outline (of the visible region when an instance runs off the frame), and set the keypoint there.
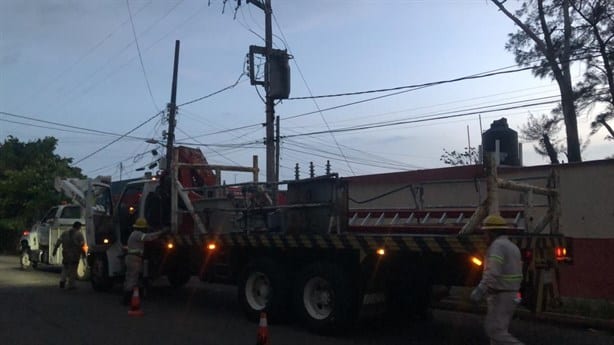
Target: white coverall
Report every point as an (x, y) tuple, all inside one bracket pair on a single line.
[(500, 283), (134, 256)]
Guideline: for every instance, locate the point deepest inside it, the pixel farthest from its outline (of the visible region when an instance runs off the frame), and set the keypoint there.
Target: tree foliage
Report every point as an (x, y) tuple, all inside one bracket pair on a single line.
[(467, 157), (544, 131), (27, 173), (553, 35)]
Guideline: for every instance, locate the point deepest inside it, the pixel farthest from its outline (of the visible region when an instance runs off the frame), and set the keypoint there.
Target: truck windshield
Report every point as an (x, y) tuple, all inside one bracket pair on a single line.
[(73, 212)]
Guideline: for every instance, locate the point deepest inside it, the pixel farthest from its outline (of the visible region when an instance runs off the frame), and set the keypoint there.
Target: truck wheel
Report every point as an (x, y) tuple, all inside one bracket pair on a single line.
[(83, 271), (100, 274), (24, 260), (324, 298), (262, 287)]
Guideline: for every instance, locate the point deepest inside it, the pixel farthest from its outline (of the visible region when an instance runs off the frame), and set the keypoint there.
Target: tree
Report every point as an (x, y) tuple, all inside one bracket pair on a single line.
[(543, 131), (597, 28), (467, 157), (27, 173), (546, 35)]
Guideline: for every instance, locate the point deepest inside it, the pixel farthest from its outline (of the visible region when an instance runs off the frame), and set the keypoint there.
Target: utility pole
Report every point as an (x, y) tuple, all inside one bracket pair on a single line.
[(271, 173), (276, 84), (278, 143), (172, 112), (267, 51)]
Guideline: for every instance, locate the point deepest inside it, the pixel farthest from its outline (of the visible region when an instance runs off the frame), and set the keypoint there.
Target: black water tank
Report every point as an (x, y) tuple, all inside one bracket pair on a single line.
[(508, 142)]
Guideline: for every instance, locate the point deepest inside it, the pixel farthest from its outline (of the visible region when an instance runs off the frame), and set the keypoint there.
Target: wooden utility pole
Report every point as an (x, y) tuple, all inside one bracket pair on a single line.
[(172, 111)]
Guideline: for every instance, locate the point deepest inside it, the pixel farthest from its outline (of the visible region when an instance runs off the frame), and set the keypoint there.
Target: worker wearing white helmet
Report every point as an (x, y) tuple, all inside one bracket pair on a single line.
[(134, 255), (500, 281)]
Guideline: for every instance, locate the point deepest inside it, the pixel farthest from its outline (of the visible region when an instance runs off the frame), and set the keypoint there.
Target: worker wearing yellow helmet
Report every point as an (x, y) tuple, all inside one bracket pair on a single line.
[(500, 281), (134, 255)]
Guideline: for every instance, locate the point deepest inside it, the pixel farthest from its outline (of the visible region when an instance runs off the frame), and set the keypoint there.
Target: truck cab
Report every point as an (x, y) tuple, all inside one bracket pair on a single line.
[(37, 244)]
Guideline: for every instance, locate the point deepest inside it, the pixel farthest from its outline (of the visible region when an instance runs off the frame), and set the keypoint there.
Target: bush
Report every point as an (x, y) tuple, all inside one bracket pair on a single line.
[(10, 233)]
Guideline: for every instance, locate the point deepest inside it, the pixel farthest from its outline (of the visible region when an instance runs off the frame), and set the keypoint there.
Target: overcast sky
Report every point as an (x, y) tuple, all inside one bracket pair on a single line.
[(76, 63)]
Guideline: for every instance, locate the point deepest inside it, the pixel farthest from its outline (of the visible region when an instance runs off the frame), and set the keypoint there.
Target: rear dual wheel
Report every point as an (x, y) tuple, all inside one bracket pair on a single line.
[(324, 298), (263, 288)]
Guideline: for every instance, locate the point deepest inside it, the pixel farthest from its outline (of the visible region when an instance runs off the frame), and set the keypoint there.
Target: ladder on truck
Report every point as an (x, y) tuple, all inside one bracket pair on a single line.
[(445, 220)]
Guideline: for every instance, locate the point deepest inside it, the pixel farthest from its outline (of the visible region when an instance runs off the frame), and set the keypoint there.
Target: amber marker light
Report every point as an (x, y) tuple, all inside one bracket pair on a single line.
[(170, 245), (381, 251), (211, 246), (476, 261)]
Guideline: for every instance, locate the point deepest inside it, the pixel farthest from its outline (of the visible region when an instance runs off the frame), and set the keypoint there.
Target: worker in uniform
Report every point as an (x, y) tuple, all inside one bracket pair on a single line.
[(72, 242), (134, 255), (500, 281)]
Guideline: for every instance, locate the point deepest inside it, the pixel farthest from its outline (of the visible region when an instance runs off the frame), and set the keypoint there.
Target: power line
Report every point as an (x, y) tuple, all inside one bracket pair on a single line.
[(121, 137), (89, 88), (64, 125), (83, 56), (313, 99), (469, 77), (138, 49), (214, 93), (364, 127)]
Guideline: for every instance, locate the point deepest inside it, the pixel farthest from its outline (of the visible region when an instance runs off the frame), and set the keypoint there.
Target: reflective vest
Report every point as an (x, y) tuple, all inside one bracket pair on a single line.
[(502, 267)]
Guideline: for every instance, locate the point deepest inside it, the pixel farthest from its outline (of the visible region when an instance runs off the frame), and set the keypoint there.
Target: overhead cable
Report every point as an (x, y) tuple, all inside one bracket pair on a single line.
[(138, 49), (118, 139), (358, 128), (65, 125), (214, 93)]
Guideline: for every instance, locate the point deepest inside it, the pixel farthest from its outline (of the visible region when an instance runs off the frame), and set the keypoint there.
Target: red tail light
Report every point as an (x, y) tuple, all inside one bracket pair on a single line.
[(26, 232), (560, 253)]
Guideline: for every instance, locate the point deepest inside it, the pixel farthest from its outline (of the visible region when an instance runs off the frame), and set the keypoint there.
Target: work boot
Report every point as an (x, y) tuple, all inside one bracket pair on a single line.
[(62, 284)]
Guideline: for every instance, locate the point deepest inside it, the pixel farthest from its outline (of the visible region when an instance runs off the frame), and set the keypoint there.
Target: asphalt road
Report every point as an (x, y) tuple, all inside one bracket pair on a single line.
[(33, 310)]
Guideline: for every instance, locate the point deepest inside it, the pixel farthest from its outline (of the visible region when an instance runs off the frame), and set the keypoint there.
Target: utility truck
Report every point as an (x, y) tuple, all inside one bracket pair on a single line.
[(37, 243), (311, 256), (91, 200)]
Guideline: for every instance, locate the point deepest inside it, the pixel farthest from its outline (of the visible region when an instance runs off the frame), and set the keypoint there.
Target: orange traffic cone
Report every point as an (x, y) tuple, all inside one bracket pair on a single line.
[(263, 331), (135, 303)]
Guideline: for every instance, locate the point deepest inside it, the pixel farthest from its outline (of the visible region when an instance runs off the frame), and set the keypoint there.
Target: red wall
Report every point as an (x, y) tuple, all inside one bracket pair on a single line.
[(592, 273)]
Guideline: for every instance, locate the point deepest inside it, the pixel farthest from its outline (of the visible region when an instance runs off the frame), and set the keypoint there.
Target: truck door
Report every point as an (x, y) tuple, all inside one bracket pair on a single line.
[(42, 230)]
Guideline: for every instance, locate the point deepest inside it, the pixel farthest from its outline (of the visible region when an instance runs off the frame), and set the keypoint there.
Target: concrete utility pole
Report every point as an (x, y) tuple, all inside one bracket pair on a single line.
[(271, 168), (172, 108)]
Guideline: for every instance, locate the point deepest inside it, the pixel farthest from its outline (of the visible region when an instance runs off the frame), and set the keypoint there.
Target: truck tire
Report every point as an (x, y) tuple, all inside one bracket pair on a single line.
[(325, 298), (83, 271), (100, 274), (262, 287), (24, 260)]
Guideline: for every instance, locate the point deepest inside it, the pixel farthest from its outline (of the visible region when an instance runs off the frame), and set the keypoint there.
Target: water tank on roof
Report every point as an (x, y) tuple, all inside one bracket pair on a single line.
[(508, 142)]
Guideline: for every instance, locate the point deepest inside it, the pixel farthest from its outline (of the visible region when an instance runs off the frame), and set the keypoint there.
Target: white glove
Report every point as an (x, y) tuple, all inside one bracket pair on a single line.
[(476, 295)]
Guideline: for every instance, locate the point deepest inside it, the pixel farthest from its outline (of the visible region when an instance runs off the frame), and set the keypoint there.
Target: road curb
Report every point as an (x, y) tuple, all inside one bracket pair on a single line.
[(523, 314)]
